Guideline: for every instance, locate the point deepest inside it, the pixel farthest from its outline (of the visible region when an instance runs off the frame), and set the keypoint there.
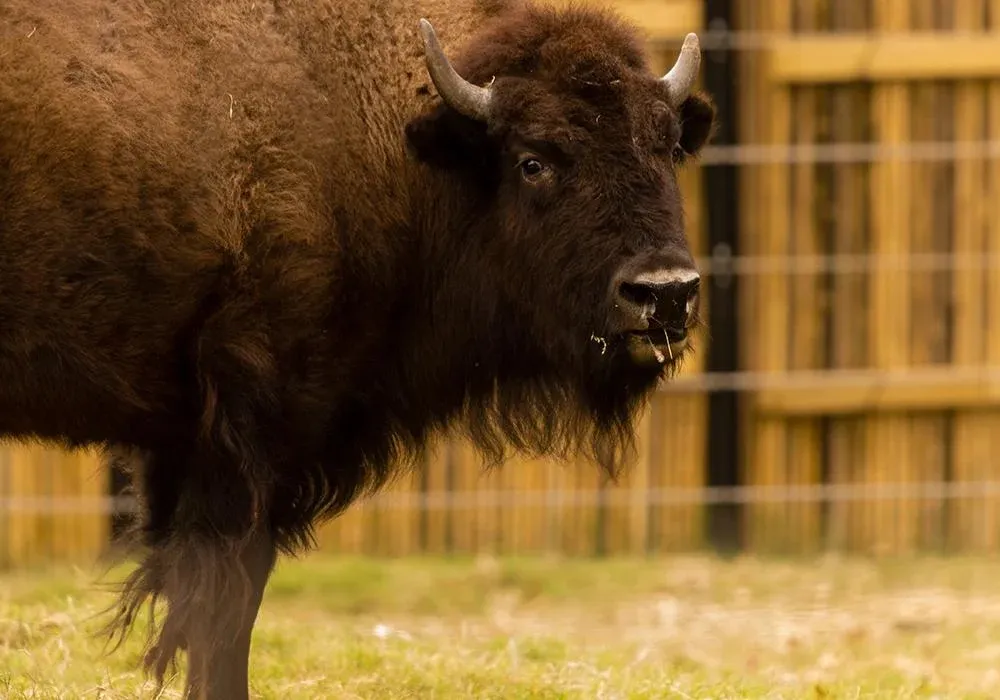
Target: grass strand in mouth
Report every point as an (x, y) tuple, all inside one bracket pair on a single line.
[(656, 351)]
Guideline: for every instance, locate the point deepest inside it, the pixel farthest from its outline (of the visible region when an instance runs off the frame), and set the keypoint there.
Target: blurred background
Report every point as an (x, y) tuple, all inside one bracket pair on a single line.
[(844, 397)]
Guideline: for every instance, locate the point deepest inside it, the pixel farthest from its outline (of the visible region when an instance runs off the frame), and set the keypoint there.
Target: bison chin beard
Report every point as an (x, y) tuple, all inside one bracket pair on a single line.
[(587, 405)]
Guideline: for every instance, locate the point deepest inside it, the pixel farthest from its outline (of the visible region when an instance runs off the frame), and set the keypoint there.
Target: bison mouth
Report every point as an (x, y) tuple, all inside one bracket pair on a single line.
[(659, 346), (656, 346)]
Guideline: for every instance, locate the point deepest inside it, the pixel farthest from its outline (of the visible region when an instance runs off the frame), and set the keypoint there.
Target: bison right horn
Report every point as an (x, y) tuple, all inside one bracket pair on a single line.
[(680, 79), (461, 95)]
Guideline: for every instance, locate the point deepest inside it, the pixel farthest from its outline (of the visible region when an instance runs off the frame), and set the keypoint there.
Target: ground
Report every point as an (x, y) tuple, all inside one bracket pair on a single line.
[(678, 627)]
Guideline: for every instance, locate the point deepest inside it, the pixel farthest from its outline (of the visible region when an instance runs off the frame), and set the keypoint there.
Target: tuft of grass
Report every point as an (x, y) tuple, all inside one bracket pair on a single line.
[(677, 627)]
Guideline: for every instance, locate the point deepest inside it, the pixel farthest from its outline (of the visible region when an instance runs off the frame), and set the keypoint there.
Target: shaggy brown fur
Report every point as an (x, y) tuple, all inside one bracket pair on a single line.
[(247, 242)]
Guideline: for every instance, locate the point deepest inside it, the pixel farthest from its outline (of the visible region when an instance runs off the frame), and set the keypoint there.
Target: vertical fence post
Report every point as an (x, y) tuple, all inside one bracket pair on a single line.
[(721, 202)]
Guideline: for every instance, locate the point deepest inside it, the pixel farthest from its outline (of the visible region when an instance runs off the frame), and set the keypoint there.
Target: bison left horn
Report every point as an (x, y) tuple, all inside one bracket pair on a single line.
[(680, 79), (461, 95)]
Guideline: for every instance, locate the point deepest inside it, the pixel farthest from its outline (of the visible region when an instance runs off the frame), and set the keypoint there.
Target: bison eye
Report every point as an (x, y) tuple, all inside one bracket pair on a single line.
[(532, 169), (678, 154)]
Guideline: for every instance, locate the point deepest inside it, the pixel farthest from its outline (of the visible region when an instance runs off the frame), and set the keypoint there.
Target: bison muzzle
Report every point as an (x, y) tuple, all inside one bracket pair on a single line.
[(264, 252)]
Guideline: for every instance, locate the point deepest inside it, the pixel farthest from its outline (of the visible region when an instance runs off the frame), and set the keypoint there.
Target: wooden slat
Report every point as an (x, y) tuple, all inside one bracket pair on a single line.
[(487, 513), (509, 512), (767, 227), (532, 484), (918, 390), (847, 58), (991, 319), (888, 445), (750, 83), (931, 121), (660, 472), (24, 543), (842, 206), (970, 462), (350, 529), (805, 331), (555, 511), (673, 436), (505, 523), (437, 476), (636, 511), (690, 517), (849, 338), (465, 481), (404, 521), (94, 527), (7, 485), (586, 537)]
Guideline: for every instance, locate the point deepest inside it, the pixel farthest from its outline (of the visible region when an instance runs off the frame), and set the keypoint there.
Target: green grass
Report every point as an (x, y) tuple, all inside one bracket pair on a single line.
[(685, 627)]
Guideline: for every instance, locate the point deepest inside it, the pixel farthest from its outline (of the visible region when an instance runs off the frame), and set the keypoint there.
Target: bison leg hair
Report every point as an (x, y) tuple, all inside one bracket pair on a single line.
[(207, 563), (218, 667), (213, 590)]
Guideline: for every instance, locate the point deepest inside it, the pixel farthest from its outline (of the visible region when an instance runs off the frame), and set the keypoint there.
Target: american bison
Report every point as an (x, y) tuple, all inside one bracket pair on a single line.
[(269, 249)]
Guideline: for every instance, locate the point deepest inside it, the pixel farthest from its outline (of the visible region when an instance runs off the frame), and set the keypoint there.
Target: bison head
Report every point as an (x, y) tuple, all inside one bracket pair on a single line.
[(569, 274)]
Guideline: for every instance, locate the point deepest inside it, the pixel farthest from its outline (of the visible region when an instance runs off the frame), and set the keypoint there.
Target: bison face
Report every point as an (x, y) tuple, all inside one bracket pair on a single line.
[(565, 149)]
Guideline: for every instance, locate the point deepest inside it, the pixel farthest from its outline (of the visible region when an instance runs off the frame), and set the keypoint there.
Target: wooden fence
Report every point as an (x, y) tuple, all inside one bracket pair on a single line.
[(887, 73), (851, 170), (52, 506)]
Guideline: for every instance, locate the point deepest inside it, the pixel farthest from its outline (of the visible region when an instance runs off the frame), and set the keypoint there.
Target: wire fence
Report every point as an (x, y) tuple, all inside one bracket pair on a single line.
[(847, 263), (899, 517), (610, 496), (846, 153), (718, 37)]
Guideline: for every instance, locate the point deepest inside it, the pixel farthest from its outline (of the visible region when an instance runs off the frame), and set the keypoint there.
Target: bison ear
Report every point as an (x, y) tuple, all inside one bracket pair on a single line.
[(443, 138), (697, 123)]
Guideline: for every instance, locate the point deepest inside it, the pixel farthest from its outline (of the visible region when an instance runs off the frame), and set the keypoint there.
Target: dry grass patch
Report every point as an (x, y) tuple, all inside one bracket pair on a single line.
[(682, 627)]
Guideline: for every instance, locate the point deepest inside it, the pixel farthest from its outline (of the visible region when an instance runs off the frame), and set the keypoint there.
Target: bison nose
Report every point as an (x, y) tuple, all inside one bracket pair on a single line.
[(664, 298)]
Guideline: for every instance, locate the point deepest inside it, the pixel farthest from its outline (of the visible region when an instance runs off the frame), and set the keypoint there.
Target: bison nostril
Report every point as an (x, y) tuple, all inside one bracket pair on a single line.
[(641, 295), (688, 291), (665, 300), (688, 299)]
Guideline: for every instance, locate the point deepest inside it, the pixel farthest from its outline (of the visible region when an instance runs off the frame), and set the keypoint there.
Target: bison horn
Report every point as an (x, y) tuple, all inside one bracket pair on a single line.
[(464, 97), (680, 79)]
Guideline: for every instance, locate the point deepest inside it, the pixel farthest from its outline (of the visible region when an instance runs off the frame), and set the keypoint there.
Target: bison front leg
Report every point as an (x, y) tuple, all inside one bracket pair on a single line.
[(209, 555), (212, 587), (219, 653)]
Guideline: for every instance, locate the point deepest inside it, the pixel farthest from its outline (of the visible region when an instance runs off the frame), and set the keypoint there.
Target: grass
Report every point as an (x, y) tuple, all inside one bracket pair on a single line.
[(686, 627)]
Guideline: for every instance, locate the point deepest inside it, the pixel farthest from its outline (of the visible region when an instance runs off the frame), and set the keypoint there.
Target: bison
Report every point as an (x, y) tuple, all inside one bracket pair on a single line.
[(268, 250)]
